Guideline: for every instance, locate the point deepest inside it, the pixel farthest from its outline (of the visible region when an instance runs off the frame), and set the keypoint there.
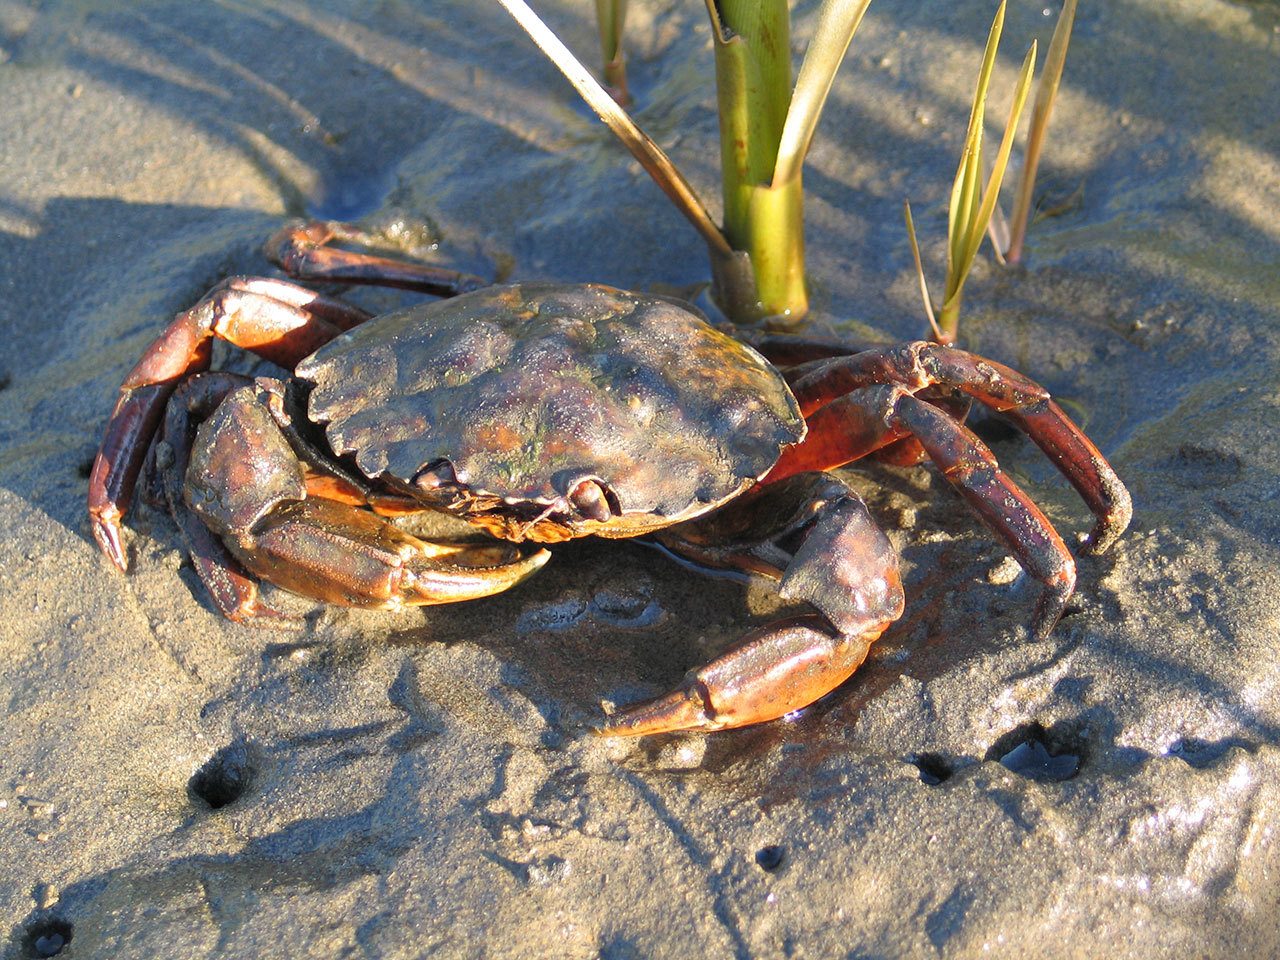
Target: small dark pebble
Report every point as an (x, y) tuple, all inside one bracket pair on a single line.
[(49, 938), (1033, 761), (50, 944)]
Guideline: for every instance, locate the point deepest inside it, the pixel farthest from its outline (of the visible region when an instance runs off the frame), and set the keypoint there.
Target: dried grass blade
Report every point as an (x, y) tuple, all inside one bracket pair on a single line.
[(924, 284), (652, 157), (1046, 94)]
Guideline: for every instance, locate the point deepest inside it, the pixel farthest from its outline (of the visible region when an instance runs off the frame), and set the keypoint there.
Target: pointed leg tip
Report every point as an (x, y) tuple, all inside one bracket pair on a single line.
[(258, 614), (1111, 525), (1103, 536), (106, 531), (1049, 611)]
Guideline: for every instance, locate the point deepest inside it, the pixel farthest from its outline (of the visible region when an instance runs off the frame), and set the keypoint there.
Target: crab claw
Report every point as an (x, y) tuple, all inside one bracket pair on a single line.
[(466, 571), (774, 671), (340, 555)]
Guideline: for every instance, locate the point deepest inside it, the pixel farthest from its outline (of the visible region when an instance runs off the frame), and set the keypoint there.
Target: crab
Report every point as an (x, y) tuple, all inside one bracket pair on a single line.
[(540, 412)]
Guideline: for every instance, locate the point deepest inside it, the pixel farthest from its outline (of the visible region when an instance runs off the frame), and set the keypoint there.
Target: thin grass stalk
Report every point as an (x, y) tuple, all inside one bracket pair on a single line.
[(978, 228), (924, 284), (971, 215), (1046, 94), (611, 16), (965, 190), (650, 156)]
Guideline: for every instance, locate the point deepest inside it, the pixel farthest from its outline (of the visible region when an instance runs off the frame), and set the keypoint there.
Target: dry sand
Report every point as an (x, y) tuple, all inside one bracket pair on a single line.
[(422, 784)]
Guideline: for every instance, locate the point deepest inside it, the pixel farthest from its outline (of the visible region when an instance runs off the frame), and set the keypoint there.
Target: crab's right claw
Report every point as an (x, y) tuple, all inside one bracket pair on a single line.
[(468, 571)]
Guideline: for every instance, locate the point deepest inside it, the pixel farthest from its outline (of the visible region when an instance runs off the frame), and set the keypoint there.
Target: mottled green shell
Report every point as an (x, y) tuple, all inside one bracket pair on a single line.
[(527, 389)]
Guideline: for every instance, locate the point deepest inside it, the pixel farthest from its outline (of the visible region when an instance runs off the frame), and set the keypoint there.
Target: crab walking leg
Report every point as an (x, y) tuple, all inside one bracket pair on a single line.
[(247, 485), (922, 364), (849, 428), (847, 569), (861, 421), (300, 250), (1009, 513), (278, 320)]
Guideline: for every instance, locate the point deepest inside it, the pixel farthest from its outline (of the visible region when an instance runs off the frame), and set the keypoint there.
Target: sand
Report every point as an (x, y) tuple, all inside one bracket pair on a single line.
[(424, 784)]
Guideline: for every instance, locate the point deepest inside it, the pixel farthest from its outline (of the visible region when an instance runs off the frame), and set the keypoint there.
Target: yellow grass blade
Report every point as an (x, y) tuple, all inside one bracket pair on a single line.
[(837, 22), (978, 228), (1046, 94), (965, 192)]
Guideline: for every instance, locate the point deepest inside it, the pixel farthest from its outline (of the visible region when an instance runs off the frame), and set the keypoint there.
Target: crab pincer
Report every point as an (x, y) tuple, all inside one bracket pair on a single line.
[(845, 567)]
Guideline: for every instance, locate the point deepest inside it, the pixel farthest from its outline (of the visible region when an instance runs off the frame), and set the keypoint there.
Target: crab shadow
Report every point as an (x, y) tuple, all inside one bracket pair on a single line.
[(618, 622)]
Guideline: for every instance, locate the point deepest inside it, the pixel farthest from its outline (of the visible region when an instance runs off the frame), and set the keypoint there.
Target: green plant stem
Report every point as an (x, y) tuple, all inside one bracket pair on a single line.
[(948, 327), (753, 81), (611, 16), (753, 66), (776, 246)]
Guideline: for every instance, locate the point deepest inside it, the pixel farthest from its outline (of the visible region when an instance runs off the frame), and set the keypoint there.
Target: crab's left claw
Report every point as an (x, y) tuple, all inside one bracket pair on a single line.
[(848, 570), (774, 671)]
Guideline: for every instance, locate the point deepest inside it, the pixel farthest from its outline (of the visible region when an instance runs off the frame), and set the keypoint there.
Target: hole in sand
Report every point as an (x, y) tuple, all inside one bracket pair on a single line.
[(1205, 753), (770, 858), (224, 778), (48, 937), (1072, 609), (934, 768)]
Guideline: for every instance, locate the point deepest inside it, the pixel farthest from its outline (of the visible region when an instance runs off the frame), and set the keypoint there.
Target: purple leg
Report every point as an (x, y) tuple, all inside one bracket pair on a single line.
[(301, 250)]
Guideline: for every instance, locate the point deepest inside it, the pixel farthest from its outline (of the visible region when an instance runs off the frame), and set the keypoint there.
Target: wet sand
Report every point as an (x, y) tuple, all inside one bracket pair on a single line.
[(423, 784)]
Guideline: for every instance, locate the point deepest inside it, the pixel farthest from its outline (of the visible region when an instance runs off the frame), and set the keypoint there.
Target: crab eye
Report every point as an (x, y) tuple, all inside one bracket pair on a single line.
[(592, 500), (438, 474)]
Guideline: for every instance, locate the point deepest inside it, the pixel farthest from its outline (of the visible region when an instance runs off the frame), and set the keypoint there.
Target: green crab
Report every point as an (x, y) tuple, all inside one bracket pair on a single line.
[(540, 412)]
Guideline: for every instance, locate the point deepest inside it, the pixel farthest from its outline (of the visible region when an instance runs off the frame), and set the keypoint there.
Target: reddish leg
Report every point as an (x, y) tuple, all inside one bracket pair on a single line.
[(278, 320), (233, 591), (300, 250), (920, 365), (868, 418), (844, 567), (244, 482)]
